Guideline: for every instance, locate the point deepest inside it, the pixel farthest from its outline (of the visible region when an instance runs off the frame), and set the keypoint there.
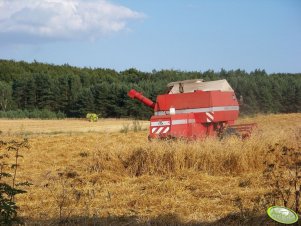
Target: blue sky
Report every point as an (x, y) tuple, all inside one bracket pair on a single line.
[(189, 35)]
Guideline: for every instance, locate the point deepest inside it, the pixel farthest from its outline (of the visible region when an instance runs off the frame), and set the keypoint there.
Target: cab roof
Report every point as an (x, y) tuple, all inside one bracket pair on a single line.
[(189, 86)]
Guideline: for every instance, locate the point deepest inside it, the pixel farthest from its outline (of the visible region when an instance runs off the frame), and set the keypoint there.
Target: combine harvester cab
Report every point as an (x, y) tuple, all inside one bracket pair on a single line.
[(194, 109)]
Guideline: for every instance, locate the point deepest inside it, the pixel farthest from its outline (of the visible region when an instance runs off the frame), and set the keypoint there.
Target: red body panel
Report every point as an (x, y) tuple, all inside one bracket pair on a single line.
[(183, 101), (199, 99), (210, 106), (216, 116), (180, 126)]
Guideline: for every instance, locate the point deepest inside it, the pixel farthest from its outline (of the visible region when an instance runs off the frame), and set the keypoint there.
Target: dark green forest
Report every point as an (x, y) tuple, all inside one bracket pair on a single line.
[(67, 91)]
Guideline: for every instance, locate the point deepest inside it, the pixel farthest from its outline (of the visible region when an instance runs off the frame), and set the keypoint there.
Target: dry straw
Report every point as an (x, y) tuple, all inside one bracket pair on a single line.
[(108, 178)]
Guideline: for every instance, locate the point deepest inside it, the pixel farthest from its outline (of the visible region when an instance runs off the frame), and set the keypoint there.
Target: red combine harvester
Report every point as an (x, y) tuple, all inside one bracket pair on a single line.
[(195, 109)]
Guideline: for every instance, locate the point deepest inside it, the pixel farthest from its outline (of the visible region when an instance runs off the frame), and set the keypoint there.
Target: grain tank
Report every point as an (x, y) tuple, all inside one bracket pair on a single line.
[(194, 109)]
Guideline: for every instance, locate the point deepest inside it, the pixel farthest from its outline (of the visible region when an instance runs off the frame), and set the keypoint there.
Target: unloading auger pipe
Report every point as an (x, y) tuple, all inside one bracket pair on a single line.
[(136, 95)]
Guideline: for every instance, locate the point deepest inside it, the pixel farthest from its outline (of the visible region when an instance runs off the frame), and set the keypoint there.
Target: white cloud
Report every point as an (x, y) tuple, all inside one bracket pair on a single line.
[(63, 19)]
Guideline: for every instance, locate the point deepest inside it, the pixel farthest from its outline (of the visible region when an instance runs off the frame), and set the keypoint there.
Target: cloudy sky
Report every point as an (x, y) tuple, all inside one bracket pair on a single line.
[(154, 34)]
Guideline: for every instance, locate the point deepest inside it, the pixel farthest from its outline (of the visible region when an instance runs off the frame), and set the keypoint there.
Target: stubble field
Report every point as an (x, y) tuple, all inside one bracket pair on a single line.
[(92, 174)]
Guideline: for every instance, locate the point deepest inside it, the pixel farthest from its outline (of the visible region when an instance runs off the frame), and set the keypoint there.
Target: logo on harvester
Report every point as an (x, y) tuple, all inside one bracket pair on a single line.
[(282, 215), (210, 116)]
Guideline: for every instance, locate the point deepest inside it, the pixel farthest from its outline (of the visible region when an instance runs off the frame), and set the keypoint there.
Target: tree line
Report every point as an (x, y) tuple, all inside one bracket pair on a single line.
[(74, 92)]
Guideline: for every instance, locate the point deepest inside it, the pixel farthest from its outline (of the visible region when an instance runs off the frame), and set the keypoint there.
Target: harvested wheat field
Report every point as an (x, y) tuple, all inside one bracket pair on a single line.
[(114, 178), (30, 126)]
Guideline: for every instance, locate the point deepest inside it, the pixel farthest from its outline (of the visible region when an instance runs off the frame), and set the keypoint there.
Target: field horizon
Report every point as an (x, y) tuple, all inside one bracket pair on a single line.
[(69, 125)]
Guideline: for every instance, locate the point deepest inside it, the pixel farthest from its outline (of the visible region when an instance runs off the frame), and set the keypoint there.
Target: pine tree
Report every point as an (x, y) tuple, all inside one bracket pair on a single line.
[(19, 93), (101, 100), (31, 98), (5, 96), (45, 96), (84, 103)]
